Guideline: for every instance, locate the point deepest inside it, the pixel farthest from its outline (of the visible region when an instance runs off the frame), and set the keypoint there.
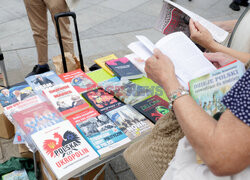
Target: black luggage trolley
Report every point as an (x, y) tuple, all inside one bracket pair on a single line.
[(73, 15)]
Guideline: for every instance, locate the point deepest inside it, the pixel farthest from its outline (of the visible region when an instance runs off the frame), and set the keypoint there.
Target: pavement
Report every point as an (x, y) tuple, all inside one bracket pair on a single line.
[(105, 27)]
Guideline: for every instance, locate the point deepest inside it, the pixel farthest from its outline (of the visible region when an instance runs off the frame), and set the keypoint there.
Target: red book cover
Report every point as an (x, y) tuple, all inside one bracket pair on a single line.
[(82, 116), (36, 118), (66, 99), (79, 80)]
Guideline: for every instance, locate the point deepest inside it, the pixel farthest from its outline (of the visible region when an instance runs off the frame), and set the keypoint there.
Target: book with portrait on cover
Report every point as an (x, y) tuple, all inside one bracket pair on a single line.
[(103, 135)]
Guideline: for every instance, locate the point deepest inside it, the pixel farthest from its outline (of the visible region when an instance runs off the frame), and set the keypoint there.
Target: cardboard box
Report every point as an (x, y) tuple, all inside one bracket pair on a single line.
[(47, 174), (24, 152), (6, 127)]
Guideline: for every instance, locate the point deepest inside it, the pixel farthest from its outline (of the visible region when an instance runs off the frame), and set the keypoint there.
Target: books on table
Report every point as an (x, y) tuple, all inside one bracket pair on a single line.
[(66, 152), (82, 116), (103, 135), (65, 99), (130, 121), (101, 100), (189, 64), (39, 82), (101, 62), (124, 69), (15, 94), (36, 118), (208, 90), (79, 80), (153, 108), (174, 17), (127, 91)]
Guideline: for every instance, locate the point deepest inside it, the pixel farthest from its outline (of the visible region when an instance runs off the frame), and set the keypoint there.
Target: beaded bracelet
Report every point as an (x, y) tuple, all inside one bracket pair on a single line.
[(176, 94)]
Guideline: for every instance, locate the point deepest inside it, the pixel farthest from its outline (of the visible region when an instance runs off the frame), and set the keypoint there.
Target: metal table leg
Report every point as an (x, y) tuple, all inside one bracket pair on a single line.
[(3, 70)]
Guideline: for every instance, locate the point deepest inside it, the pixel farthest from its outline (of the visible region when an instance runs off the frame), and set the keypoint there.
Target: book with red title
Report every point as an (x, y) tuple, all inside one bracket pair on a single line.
[(82, 116), (34, 119), (65, 99), (79, 80), (66, 152)]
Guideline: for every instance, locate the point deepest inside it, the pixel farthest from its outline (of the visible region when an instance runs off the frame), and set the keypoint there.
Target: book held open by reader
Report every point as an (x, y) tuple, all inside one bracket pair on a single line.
[(188, 60)]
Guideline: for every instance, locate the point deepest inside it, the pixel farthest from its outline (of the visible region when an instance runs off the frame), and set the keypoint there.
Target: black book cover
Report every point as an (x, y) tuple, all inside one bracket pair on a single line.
[(123, 68), (101, 100), (153, 108)]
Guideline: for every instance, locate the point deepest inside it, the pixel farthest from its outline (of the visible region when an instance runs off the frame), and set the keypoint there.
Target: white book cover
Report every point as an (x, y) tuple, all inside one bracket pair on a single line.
[(65, 151), (65, 99)]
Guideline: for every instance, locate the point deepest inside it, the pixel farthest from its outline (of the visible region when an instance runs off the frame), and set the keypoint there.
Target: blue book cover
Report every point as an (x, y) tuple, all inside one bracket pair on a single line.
[(124, 69), (103, 135), (39, 82), (15, 94)]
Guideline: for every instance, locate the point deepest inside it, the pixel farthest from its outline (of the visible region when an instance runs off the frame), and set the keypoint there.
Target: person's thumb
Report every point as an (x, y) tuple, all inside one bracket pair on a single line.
[(158, 54), (199, 27)]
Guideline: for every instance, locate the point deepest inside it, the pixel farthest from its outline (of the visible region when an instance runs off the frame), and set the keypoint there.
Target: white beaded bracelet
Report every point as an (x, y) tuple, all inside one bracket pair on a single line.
[(176, 94)]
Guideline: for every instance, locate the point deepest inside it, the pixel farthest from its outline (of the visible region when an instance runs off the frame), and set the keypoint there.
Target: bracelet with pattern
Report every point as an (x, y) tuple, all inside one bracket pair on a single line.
[(176, 94)]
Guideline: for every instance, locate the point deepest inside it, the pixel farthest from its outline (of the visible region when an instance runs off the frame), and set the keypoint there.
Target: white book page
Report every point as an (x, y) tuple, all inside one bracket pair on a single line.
[(140, 50), (218, 33), (146, 42), (137, 61), (188, 60)]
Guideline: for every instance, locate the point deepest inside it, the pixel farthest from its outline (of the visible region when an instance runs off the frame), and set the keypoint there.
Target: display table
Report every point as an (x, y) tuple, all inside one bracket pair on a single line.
[(101, 75)]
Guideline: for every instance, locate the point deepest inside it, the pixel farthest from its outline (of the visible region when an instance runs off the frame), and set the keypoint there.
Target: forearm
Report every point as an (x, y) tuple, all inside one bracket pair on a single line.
[(242, 56), (195, 122)]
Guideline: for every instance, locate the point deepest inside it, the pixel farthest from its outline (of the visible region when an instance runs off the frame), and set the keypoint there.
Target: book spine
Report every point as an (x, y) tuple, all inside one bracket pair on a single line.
[(113, 70), (87, 139)]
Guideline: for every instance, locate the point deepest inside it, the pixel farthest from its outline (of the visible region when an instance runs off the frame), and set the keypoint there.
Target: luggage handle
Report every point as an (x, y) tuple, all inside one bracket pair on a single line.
[(73, 15)]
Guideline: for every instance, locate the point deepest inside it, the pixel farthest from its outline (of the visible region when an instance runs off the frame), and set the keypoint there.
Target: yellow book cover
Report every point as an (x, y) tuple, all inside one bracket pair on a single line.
[(101, 62)]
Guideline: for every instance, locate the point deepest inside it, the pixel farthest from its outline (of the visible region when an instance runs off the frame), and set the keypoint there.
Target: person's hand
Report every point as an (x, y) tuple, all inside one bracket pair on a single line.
[(200, 35), (160, 69), (219, 59)]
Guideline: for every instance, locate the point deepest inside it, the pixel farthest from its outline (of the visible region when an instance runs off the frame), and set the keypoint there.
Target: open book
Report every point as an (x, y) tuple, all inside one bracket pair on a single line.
[(174, 17), (188, 60)]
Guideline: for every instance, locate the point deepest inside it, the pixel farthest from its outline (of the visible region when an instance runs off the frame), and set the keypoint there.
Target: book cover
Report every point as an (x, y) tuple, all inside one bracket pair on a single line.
[(137, 61), (15, 94), (130, 121), (79, 80), (21, 105), (111, 80), (172, 20), (16, 175), (208, 90), (39, 82), (103, 135), (127, 91), (174, 17), (82, 116), (102, 100), (65, 99), (36, 118), (124, 69), (66, 152), (101, 62), (153, 108)]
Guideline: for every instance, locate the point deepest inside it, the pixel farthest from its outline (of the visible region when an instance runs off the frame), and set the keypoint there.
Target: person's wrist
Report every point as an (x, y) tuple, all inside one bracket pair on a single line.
[(171, 85), (213, 46)]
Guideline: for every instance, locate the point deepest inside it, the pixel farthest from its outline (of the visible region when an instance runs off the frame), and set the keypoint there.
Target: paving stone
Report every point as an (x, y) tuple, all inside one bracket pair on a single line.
[(122, 5), (126, 175), (152, 8), (109, 174), (13, 27), (130, 21), (119, 164)]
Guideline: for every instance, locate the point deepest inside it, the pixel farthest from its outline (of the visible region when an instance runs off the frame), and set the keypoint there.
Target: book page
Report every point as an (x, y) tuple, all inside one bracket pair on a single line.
[(188, 60), (218, 33), (140, 50), (146, 42)]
